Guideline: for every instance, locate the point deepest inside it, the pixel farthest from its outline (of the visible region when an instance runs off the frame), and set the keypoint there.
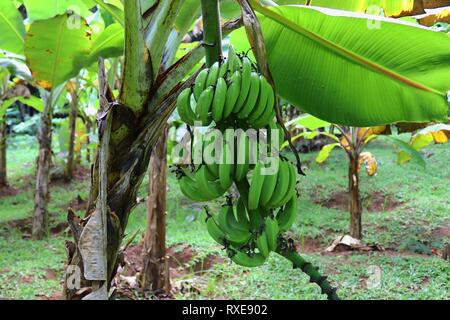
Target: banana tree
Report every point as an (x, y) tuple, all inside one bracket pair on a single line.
[(352, 141), (53, 58), (148, 94), (13, 74), (316, 64)]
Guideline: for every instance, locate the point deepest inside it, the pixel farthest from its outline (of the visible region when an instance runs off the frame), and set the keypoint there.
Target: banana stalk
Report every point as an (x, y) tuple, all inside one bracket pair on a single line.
[(311, 271)]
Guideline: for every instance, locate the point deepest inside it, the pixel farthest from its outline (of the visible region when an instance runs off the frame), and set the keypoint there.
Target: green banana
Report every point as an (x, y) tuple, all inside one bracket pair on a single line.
[(225, 168), (220, 96), (245, 84), (234, 62), (243, 259), (200, 82), (204, 105), (291, 190), (262, 244), (261, 105), (184, 107), (275, 126), (188, 187), (209, 189), (214, 231), (252, 97), (282, 184), (213, 75), (241, 213), (241, 157), (236, 235), (256, 219), (268, 188), (286, 216), (256, 186), (232, 94), (223, 69), (269, 112), (272, 231)]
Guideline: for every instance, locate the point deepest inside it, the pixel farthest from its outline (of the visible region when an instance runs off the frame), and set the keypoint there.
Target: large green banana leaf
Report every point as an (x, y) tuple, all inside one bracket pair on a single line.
[(391, 8), (44, 9), (110, 43), (337, 68), (12, 30), (55, 52)]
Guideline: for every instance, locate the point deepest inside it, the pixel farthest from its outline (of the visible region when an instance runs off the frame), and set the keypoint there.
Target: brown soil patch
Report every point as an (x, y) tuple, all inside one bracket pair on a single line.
[(375, 202), (57, 175), (182, 260), (308, 245), (77, 204), (442, 232), (55, 296), (8, 191), (50, 274), (24, 226)]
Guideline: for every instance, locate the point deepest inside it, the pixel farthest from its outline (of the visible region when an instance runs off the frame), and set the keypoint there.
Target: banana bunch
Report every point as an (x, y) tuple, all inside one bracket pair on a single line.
[(232, 91), (249, 235), (234, 95), (272, 186), (201, 185)]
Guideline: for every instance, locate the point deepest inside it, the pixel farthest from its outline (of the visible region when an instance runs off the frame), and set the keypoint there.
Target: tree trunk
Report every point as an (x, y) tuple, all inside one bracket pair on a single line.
[(72, 131), (3, 135), (355, 205), (138, 119), (88, 140), (41, 197), (155, 271)]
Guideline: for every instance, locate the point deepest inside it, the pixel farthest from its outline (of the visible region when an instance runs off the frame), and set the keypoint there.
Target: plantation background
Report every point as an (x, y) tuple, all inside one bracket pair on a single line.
[(413, 225)]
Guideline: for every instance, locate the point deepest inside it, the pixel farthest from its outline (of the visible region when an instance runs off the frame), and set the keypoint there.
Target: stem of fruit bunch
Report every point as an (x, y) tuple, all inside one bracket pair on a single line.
[(212, 33), (314, 275), (287, 250)]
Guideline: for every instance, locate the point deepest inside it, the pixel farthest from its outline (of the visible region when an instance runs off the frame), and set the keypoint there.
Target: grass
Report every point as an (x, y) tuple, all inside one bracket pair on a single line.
[(408, 270)]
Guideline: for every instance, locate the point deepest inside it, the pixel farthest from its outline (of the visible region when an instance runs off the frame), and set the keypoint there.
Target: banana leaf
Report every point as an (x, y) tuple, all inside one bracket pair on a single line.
[(333, 65), (12, 28), (390, 8)]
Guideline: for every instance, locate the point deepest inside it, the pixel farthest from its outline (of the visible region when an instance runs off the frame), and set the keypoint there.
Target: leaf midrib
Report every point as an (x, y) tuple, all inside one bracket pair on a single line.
[(339, 49), (57, 51)]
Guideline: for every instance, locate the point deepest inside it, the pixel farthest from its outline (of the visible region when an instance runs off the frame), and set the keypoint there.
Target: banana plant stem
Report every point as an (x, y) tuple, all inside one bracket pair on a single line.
[(212, 33), (311, 271)]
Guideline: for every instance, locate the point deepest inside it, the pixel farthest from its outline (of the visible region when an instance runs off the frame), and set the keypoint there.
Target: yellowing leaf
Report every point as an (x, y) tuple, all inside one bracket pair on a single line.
[(325, 152), (418, 142), (440, 137), (369, 162), (443, 16)]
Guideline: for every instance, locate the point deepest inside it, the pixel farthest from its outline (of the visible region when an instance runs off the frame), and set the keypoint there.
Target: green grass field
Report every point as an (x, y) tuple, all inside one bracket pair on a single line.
[(412, 226)]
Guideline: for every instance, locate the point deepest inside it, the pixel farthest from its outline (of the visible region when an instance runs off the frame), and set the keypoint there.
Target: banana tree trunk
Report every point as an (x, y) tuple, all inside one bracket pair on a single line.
[(88, 140), (355, 205), (41, 196), (72, 130), (155, 272), (3, 135), (147, 98)]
